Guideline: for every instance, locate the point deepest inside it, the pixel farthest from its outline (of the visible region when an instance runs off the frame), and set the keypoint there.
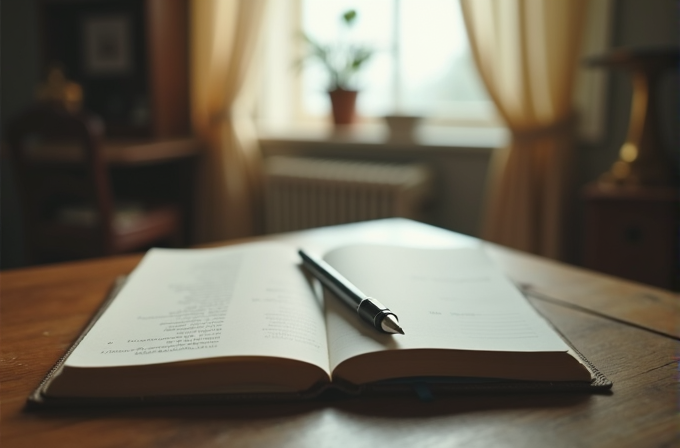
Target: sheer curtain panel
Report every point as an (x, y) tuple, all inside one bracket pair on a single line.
[(527, 53), (224, 69)]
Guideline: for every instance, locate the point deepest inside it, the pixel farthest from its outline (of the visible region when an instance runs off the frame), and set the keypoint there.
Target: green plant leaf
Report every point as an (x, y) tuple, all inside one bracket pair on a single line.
[(349, 17), (341, 61)]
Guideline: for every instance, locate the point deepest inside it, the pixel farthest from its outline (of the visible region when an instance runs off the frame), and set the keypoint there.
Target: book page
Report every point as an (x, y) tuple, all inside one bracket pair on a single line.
[(189, 304), (448, 299)]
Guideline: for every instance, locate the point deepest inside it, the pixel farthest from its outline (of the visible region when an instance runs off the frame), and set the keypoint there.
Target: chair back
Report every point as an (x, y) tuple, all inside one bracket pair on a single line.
[(60, 170)]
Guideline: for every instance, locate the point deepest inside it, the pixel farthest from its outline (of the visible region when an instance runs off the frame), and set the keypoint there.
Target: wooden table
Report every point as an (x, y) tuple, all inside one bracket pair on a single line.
[(629, 331)]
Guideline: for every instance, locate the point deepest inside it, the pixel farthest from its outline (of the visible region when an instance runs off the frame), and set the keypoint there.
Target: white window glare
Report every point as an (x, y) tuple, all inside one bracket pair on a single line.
[(422, 63)]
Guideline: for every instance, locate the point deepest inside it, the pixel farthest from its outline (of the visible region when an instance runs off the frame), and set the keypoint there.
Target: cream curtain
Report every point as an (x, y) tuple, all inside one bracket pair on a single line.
[(527, 53), (225, 38)]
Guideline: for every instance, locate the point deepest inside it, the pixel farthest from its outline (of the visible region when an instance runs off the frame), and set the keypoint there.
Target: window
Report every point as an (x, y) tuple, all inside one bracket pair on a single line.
[(422, 63)]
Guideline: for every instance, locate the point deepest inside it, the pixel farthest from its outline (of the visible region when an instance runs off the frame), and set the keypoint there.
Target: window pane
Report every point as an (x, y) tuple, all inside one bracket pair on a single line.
[(421, 66), (435, 60), (321, 19)]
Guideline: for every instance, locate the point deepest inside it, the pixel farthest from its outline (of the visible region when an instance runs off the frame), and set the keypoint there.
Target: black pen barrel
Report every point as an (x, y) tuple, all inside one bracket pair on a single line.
[(333, 280), (368, 309)]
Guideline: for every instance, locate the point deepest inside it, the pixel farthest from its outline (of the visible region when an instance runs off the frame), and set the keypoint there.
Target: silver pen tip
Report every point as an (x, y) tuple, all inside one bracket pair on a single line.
[(390, 325)]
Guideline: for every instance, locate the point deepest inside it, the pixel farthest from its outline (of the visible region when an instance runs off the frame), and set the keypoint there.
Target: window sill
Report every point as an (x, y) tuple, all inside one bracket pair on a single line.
[(377, 135)]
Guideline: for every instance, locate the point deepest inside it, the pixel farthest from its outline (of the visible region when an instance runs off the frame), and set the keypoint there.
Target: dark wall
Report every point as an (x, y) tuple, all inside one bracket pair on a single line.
[(19, 54), (19, 75)]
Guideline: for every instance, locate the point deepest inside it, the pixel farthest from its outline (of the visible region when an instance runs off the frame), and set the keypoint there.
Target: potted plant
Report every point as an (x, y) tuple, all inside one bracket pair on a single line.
[(342, 61)]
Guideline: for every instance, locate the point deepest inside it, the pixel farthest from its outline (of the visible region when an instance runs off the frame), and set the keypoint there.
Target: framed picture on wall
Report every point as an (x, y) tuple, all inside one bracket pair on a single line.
[(107, 45), (130, 57)]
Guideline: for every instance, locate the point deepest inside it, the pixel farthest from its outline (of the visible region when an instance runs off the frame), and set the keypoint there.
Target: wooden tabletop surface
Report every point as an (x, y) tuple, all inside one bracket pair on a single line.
[(629, 331)]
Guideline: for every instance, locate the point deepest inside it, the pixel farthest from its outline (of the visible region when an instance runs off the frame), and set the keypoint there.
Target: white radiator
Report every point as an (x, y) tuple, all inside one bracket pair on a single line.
[(302, 193)]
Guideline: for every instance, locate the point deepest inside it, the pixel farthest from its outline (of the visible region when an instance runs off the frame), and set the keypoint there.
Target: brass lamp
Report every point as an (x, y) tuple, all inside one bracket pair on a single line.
[(642, 159)]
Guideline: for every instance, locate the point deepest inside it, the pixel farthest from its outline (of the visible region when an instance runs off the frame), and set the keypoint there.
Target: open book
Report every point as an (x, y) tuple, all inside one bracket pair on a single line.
[(246, 321)]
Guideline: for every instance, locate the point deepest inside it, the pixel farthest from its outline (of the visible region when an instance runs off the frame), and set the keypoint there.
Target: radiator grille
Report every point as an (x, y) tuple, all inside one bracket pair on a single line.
[(302, 193)]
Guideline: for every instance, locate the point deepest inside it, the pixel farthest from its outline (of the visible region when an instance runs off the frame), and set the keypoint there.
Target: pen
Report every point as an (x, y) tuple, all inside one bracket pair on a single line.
[(369, 309)]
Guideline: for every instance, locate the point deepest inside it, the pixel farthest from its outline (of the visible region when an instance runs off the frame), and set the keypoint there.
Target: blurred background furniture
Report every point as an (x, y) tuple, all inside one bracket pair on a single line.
[(633, 233), (126, 182), (632, 211), (67, 195), (129, 56)]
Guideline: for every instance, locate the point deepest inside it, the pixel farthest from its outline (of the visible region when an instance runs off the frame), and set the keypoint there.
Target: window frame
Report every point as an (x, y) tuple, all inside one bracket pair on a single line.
[(282, 106)]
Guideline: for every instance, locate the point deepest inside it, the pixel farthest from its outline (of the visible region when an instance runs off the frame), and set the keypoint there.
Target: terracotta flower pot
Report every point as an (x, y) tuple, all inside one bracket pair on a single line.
[(344, 105)]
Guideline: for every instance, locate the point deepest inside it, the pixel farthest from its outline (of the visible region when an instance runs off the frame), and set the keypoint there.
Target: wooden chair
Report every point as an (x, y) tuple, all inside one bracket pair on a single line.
[(68, 206)]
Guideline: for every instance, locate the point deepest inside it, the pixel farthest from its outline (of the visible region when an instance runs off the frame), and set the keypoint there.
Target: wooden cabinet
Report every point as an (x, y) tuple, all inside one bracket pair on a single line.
[(632, 232)]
